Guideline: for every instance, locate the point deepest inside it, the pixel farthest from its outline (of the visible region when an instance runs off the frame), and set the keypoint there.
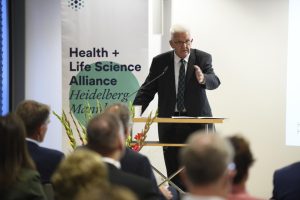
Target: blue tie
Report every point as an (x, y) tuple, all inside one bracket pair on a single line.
[(181, 87)]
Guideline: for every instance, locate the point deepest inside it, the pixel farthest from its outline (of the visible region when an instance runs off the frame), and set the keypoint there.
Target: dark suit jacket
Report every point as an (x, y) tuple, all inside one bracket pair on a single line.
[(46, 160), (287, 183), (141, 187), (138, 164), (195, 98), (135, 163)]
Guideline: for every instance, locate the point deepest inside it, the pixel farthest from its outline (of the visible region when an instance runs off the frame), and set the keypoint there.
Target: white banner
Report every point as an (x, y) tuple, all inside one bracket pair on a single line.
[(104, 51)]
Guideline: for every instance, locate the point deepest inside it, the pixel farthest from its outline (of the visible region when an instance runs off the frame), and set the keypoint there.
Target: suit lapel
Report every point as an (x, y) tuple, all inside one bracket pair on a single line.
[(172, 74), (190, 67)]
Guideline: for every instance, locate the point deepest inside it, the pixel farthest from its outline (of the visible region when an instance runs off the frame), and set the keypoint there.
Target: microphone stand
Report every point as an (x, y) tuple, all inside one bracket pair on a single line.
[(150, 82)]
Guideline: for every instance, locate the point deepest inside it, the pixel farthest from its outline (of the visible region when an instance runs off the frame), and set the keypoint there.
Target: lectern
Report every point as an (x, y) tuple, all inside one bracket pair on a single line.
[(190, 120)]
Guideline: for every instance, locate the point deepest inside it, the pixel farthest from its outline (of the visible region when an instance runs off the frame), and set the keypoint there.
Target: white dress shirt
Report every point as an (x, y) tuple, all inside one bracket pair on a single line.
[(32, 140), (115, 163), (195, 197)]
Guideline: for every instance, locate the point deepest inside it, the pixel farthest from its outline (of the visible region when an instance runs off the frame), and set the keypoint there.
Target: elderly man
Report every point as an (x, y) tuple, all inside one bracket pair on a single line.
[(184, 75), (208, 168)]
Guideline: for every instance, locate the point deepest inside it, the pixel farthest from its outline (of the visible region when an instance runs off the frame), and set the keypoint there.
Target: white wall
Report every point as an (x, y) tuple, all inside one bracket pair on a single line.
[(248, 41), (43, 61)]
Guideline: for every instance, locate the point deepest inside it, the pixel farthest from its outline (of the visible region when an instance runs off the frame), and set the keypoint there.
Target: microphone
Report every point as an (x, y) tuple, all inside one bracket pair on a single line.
[(150, 82)]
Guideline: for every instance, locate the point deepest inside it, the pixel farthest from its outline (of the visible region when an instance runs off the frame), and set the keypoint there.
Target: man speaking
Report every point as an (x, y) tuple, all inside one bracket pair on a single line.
[(180, 77)]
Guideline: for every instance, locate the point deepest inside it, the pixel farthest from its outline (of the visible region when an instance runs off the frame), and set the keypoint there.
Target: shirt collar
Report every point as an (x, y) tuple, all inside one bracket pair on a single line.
[(177, 59), (32, 140), (115, 163), (189, 196)]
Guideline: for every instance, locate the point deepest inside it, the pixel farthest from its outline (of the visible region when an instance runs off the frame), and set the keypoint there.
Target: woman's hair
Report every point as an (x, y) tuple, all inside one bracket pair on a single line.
[(243, 158), (79, 170), (13, 149)]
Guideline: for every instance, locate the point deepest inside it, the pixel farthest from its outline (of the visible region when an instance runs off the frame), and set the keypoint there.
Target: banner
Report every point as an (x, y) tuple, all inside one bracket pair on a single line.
[(104, 53)]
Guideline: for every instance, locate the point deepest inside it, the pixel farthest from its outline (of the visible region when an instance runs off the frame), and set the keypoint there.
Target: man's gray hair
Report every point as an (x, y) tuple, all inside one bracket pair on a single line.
[(103, 132), (178, 28), (122, 111), (206, 158)]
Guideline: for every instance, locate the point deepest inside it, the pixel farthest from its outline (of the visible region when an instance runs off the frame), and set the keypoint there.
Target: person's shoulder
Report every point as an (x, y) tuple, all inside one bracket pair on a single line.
[(27, 186), (138, 157), (134, 153), (52, 152), (121, 176), (27, 174), (292, 167), (139, 185), (164, 55), (31, 144), (200, 52), (141, 181)]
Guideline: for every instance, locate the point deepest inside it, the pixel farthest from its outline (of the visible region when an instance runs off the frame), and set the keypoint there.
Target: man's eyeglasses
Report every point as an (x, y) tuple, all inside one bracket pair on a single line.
[(180, 43)]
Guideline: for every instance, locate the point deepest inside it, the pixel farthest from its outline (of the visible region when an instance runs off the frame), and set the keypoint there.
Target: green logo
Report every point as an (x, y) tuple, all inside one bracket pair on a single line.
[(89, 88)]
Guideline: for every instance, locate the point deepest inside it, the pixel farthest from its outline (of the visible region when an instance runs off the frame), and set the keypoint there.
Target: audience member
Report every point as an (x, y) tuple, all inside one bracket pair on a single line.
[(18, 177), (132, 161), (207, 162), (286, 182), (112, 193), (243, 160), (35, 116), (81, 169), (105, 135)]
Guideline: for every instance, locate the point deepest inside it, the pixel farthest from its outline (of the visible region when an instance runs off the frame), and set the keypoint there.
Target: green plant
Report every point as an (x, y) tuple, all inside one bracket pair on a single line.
[(140, 137), (80, 128)]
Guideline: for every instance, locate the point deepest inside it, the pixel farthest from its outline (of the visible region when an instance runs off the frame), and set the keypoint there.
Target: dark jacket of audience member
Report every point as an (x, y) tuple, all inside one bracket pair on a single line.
[(140, 186), (45, 159), (287, 183), (106, 136), (136, 163), (18, 177), (35, 116)]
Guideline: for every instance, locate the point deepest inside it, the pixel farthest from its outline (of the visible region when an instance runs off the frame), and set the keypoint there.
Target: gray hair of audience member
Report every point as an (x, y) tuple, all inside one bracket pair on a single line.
[(105, 134), (81, 169), (34, 114), (206, 158), (122, 112), (178, 28)]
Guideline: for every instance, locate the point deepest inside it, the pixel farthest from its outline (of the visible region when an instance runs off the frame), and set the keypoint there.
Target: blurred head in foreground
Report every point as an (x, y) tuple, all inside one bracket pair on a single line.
[(208, 165)]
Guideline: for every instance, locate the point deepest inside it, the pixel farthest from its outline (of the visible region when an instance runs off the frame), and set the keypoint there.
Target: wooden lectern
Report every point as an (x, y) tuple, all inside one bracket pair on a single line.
[(190, 120)]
